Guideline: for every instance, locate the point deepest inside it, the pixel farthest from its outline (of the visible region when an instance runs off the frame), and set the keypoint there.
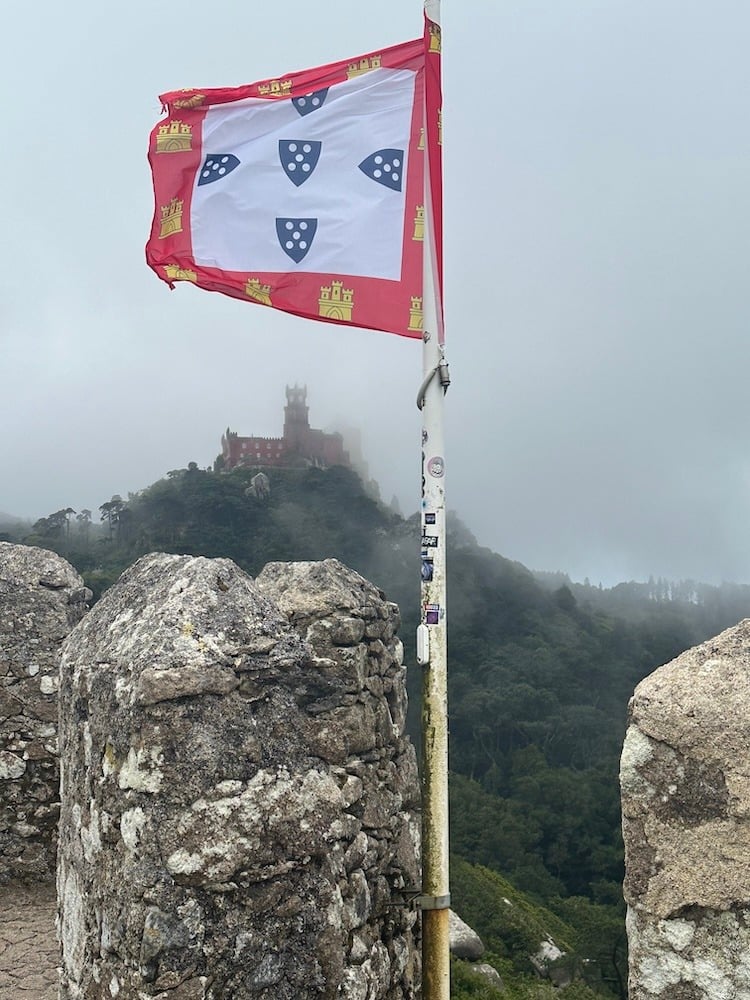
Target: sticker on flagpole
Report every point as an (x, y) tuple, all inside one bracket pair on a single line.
[(436, 466), (428, 568), (429, 541), (432, 614), (429, 518)]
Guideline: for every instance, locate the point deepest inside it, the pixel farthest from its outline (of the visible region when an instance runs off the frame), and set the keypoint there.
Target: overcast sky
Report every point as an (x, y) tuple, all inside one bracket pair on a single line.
[(597, 238)]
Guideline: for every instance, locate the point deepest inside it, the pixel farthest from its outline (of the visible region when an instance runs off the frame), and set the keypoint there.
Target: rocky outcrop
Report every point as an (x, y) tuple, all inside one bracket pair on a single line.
[(550, 962), (464, 942), (238, 796), (685, 777), (42, 597), (490, 974)]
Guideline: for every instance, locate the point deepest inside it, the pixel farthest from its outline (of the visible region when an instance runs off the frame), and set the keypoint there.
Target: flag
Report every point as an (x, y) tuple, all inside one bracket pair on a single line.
[(304, 193)]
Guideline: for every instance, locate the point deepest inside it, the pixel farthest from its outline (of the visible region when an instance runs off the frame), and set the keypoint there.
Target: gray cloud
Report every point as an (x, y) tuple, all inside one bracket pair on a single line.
[(596, 255)]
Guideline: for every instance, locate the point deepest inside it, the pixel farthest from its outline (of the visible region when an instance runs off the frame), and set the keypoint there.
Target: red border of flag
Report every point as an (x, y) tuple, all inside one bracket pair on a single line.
[(380, 304)]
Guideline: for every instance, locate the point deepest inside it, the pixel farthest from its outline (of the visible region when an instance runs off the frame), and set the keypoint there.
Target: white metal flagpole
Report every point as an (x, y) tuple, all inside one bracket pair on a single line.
[(431, 633)]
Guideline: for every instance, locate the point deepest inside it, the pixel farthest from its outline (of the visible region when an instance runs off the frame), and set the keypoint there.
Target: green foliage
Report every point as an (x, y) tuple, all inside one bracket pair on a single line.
[(540, 673), (667, 612), (466, 984), (13, 528), (510, 925), (512, 928), (491, 830), (310, 514), (598, 933)]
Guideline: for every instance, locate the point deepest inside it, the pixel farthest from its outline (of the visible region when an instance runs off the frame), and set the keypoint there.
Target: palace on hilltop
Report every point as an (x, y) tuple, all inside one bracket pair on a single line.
[(300, 444)]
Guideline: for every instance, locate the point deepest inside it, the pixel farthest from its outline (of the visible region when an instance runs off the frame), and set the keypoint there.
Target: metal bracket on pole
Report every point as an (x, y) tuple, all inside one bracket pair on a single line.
[(410, 896), (441, 370), (434, 902), (415, 897)]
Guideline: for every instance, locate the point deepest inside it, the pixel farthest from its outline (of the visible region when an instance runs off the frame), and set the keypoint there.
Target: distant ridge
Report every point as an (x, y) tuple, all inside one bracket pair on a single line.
[(11, 518)]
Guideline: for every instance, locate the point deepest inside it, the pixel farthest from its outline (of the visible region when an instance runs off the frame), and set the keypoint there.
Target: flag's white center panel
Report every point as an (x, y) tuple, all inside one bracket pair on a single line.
[(316, 184)]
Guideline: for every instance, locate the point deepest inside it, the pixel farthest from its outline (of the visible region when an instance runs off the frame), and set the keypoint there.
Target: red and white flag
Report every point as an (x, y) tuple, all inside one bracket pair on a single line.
[(304, 193)]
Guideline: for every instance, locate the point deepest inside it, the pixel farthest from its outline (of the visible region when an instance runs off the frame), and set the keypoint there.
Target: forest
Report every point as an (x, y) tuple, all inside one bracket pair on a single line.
[(540, 673)]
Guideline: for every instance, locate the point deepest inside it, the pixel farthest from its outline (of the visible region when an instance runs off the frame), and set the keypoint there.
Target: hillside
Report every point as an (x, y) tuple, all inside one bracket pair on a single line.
[(540, 673), (12, 526)]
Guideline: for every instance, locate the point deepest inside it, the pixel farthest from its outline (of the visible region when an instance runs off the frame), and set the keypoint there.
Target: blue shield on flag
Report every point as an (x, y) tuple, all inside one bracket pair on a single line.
[(386, 166), (299, 157), (216, 166), (308, 103), (296, 236)]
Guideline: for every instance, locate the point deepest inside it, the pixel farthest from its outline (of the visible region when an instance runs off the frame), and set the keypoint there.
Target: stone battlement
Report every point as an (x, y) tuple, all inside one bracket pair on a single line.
[(238, 811)]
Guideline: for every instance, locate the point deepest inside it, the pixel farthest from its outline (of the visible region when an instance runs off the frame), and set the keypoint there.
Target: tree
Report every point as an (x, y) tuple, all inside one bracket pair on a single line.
[(111, 512), (53, 529), (84, 525)]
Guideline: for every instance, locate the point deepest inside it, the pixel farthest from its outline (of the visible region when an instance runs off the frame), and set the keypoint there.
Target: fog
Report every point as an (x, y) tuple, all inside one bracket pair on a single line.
[(596, 213)]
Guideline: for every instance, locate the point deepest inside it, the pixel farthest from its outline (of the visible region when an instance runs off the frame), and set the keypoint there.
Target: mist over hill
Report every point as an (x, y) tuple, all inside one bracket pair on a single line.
[(540, 670), (12, 521)]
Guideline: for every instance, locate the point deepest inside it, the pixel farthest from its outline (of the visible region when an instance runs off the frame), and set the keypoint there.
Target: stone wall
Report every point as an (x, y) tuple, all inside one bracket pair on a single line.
[(238, 796), (685, 777), (42, 597)]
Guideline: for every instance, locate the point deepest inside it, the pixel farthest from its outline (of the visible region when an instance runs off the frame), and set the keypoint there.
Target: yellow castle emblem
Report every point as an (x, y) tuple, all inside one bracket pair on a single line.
[(416, 313), (194, 101), (336, 302), (260, 293), (419, 224), (175, 273), (435, 38), (420, 145), (363, 66), (174, 137), (275, 88), (171, 218)]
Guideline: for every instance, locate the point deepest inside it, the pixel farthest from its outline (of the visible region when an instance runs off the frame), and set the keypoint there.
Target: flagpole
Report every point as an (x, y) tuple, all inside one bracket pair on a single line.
[(431, 633)]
